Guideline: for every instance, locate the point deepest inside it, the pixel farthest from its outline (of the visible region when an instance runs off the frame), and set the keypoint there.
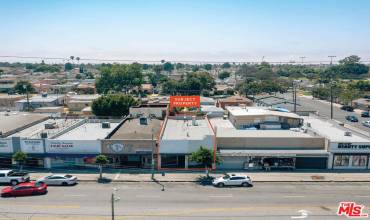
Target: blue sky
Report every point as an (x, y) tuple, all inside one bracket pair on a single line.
[(215, 30)]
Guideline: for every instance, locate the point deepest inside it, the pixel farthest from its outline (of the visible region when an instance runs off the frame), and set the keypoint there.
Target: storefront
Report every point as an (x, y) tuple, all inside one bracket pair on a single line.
[(34, 148), (129, 153), (6, 151), (349, 156), (273, 159), (71, 153)]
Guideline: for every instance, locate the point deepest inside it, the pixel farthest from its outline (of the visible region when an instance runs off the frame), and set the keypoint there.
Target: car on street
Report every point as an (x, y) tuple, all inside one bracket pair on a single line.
[(351, 118), (232, 180), (366, 124), (347, 108), (59, 180), (25, 189), (13, 178), (365, 114)]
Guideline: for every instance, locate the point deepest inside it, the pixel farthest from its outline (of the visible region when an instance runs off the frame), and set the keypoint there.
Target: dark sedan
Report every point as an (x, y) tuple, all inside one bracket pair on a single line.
[(352, 118)]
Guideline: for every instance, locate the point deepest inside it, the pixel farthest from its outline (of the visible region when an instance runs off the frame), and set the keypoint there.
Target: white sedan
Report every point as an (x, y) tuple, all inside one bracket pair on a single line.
[(59, 180), (232, 180), (366, 123)]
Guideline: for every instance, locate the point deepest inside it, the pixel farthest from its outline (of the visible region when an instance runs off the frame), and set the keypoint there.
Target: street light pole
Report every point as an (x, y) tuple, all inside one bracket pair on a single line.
[(331, 59)]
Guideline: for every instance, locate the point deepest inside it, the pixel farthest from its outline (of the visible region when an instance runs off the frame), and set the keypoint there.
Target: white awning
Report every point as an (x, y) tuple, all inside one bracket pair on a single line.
[(273, 153)]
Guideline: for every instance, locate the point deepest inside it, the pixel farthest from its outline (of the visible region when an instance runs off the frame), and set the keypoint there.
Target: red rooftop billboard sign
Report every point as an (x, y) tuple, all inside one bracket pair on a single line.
[(184, 101)]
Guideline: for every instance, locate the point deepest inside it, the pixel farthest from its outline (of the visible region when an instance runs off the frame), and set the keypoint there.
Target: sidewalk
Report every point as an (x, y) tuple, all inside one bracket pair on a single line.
[(256, 177)]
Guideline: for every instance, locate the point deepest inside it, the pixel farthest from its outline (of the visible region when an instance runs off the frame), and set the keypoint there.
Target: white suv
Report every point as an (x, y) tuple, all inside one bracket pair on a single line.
[(232, 180)]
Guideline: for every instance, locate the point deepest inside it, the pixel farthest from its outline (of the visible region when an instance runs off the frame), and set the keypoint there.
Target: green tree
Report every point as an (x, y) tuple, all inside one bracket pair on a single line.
[(101, 160), (20, 157), (205, 157), (226, 65), (68, 66), (180, 66), (351, 67), (22, 87), (113, 105), (208, 66), (223, 75), (119, 78), (157, 69), (348, 95), (167, 66)]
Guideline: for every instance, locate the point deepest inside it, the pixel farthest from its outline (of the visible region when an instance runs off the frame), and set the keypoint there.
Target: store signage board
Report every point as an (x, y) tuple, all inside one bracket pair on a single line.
[(184, 101), (32, 146), (73, 146), (350, 147), (6, 146)]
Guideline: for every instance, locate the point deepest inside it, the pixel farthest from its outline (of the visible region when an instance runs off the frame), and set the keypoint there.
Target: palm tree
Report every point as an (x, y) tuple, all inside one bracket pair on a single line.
[(72, 58), (78, 60), (20, 157), (101, 160)]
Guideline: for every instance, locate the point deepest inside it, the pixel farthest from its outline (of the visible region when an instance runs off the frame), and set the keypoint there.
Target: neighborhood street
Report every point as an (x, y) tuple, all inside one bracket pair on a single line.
[(188, 201)]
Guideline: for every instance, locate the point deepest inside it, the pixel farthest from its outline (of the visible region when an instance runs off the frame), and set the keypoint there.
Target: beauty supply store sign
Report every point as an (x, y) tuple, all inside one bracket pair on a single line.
[(73, 147), (32, 146), (350, 147), (6, 146)]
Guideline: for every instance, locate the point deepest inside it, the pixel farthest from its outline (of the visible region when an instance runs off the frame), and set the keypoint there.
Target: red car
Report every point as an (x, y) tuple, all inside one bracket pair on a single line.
[(25, 189)]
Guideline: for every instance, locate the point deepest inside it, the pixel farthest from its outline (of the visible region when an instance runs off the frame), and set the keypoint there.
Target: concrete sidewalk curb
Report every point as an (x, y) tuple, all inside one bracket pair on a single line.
[(256, 181)]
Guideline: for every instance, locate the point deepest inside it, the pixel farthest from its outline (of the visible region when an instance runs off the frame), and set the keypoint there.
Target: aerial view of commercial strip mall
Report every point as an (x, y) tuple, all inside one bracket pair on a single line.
[(267, 126)]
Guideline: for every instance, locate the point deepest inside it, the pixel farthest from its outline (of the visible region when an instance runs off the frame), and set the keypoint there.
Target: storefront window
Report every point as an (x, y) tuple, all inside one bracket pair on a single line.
[(359, 160), (341, 160)]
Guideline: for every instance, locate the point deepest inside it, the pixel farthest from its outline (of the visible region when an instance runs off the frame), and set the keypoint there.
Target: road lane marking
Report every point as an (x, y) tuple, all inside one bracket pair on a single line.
[(304, 214), (294, 196), (77, 195), (361, 196), (221, 196), (147, 196)]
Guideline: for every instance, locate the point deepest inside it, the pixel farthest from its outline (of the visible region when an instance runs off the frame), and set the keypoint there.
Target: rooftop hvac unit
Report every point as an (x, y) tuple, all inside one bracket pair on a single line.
[(105, 124), (44, 135), (347, 133), (51, 125), (143, 121)]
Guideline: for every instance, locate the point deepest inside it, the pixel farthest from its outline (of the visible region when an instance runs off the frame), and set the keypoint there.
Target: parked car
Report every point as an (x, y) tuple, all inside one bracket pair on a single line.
[(59, 180), (365, 114), (232, 180), (25, 189), (347, 108), (13, 178), (352, 118), (366, 123)]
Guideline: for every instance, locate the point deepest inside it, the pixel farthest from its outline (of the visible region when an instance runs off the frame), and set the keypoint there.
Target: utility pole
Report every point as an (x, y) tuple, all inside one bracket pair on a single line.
[(302, 59), (28, 99), (152, 165), (331, 89), (331, 59), (112, 201)]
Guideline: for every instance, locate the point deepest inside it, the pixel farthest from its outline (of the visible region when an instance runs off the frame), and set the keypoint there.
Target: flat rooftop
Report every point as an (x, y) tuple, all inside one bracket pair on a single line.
[(88, 131), (224, 128), (132, 129), (185, 130), (250, 111), (11, 121), (332, 131), (38, 98), (36, 130)]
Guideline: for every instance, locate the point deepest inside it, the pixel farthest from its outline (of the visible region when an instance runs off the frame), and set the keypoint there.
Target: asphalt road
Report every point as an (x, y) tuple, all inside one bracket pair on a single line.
[(188, 201), (324, 110)]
